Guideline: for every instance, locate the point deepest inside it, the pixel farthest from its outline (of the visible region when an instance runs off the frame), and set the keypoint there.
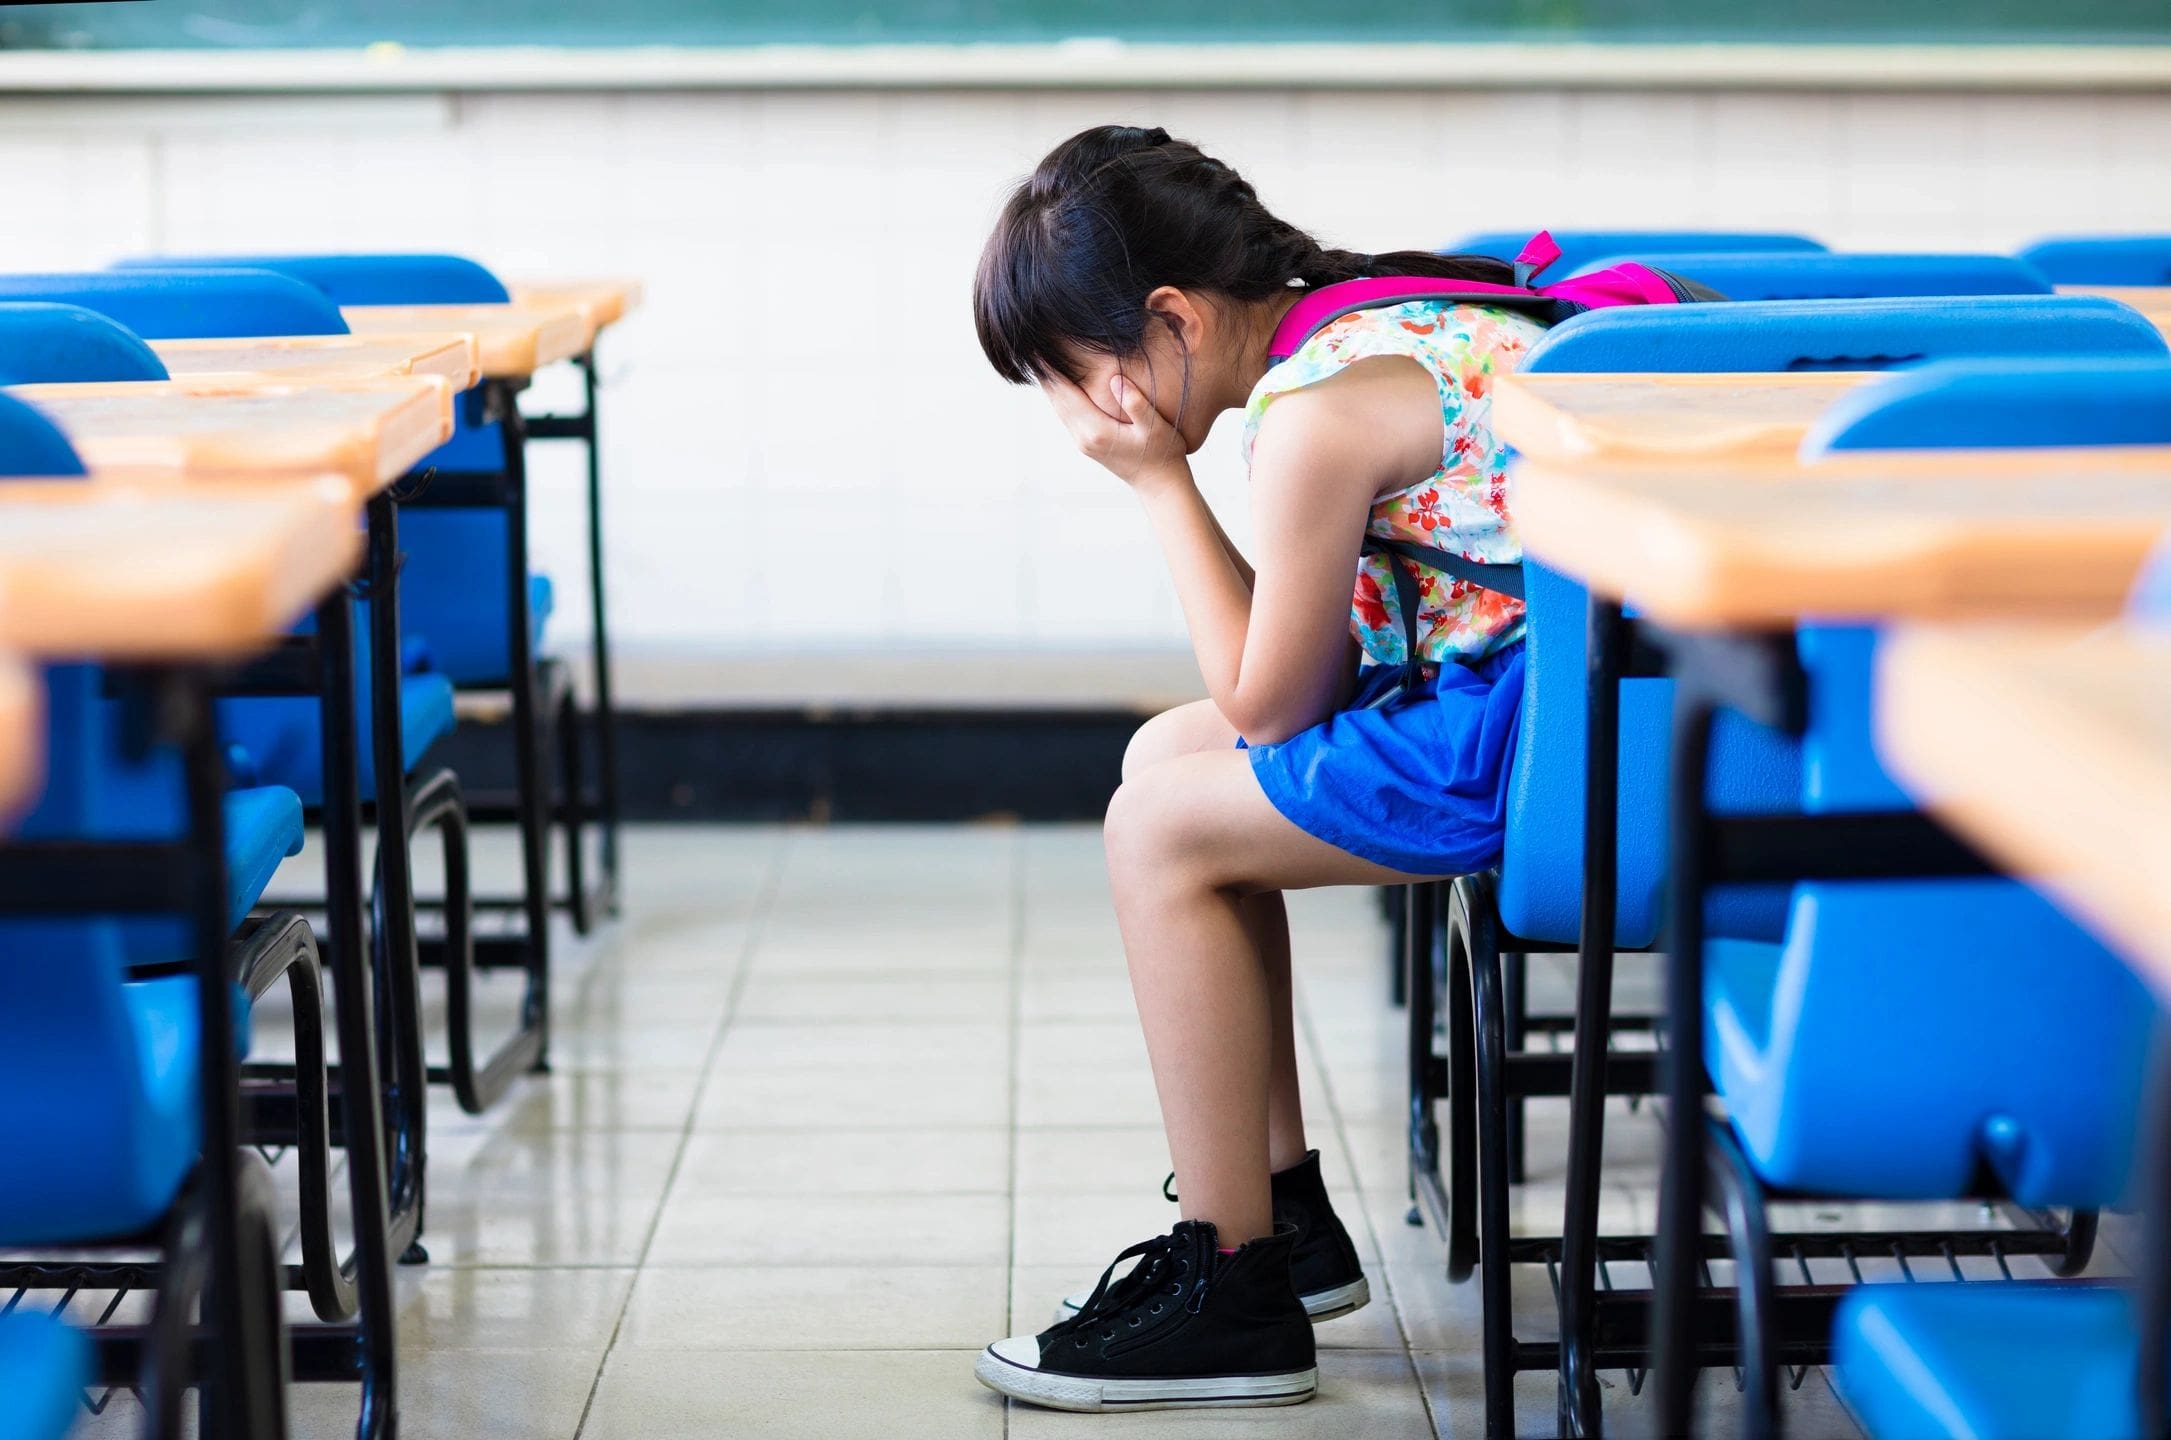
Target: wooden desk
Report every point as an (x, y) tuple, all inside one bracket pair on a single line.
[(316, 359), (512, 341), (22, 722), (1571, 417), (605, 302), (2051, 748), (370, 432), (2021, 533), (2154, 301), (125, 572)]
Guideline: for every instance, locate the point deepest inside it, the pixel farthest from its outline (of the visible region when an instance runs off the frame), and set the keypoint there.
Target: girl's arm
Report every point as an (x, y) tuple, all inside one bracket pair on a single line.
[(1273, 645), (1275, 654)]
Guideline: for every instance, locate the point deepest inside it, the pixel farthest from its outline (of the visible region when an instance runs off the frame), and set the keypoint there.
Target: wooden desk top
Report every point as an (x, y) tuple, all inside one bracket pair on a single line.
[(605, 301), (22, 721), (2015, 533), (512, 341), (2154, 301), (370, 432), (314, 359), (2051, 748), (1573, 417), (166, 573)]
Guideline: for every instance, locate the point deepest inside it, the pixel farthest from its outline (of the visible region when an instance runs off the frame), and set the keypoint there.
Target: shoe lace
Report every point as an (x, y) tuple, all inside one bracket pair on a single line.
[(1115, 1294)]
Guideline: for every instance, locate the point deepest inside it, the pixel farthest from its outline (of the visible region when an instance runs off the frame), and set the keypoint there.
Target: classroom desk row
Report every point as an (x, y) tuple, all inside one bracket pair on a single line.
[(2008, 694)]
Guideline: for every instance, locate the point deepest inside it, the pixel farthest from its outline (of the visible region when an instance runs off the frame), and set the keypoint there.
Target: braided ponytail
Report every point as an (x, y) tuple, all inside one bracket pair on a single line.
[(1116, 212)]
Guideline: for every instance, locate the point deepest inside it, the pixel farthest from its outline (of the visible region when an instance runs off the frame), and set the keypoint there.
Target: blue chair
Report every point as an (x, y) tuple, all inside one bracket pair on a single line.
[(44, 340), (1842, 275), (2001, 404), (2103, 259), (456, 583), (187, 304), (1536, 899), (1852, 1057), (1581, 247), (44, 1366), (30, 444), (1874, 334)]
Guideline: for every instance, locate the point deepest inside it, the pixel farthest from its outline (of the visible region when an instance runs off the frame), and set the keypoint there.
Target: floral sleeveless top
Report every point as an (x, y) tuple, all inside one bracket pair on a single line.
[(1463, 506)]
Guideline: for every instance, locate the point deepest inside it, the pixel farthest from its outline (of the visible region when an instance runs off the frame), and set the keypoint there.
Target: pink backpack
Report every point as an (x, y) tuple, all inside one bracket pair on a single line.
[(1628, 284)]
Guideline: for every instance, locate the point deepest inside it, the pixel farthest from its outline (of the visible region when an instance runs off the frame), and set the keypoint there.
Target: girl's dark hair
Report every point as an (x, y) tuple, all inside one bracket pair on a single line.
[(1116, 212)]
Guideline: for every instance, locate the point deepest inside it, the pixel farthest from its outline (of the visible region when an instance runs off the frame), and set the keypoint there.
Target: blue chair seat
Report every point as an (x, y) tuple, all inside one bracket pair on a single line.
[(416, 279), (1580, 247), (1988, 1361), (1904, 988), (44, 1366), (2103, 259), (40, 341), (188, 304), (278, 739), (263, 827), (31, 445)]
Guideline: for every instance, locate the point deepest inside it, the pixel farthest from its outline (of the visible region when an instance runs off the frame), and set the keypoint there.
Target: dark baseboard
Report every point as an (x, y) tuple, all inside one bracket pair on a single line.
[(861, 765)]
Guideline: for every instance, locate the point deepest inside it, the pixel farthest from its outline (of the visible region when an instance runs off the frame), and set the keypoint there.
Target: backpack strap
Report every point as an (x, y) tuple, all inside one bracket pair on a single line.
[(1403, 559), (1329, 303)]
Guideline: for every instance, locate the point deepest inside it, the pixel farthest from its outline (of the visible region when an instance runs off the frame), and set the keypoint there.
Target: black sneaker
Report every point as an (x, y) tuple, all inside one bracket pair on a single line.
[(1324, 1266), (1186, 1327)]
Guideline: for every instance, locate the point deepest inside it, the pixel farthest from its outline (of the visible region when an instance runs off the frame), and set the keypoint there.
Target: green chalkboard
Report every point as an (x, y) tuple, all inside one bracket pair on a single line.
[(345, 23)]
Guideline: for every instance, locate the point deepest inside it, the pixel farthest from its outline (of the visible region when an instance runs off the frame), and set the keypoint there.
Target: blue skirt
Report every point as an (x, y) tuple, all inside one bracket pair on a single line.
[(1417, 782)]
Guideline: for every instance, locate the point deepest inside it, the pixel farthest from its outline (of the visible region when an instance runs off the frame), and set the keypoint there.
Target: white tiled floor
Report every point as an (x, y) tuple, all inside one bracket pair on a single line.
[(831, 1108)]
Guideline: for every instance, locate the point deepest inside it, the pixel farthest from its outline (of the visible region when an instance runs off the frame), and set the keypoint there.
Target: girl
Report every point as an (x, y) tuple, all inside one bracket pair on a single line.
[(1138, 281)]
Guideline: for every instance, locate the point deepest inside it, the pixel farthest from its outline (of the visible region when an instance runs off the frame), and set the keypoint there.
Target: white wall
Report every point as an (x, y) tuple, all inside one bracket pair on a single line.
[(805, 449)]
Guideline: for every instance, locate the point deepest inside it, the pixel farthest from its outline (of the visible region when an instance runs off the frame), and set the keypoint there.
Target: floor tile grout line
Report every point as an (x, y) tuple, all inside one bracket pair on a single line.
[(771, 881), (1341, 1134)]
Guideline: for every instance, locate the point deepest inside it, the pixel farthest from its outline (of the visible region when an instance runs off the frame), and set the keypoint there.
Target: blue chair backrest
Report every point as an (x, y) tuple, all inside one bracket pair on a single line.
[(75, 1111), (2003, 404), (30, 444), (188, 304), (2103, 259), (42, 342), (1816, 275), (359, 279), (1581, 247), (1879, 334)]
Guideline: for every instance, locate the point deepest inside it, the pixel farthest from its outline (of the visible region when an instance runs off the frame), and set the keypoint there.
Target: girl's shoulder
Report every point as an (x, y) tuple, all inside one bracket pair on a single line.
[(1452, 339)]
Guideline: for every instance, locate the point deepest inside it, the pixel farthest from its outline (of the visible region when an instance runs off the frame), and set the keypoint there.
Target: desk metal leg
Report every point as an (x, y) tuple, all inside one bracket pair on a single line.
[(606, 730), (534, 792), (355, 988), (397, 956), (1681, 1182), (234, 1401), (1579, 1393)]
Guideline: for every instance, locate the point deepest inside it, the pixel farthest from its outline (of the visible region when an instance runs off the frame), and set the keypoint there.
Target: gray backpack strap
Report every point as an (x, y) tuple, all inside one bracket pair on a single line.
[(1507, 579)]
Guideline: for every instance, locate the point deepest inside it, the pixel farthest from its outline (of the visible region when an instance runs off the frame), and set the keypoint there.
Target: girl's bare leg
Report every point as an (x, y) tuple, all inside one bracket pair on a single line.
[(1190, 841), (1194, 729)]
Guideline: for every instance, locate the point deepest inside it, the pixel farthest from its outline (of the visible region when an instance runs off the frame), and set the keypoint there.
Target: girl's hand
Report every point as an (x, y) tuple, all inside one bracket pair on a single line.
[(1141, 449)]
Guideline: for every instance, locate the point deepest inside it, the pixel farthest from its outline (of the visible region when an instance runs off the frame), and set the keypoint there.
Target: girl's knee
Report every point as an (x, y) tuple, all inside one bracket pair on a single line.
[(1185, 730), (1143, 830)]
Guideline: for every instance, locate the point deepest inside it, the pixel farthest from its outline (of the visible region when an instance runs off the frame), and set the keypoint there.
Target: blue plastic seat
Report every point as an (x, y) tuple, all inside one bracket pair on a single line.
[(99, 1098), (1580, 247), (1880, 1050), (187, 304), (1988, 1361), (2004, 404), (44, 1366), (1881, 334), (43, 341), (2103, 259), (30, 444), (279, 740), (359, 279), (1815, 275)]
